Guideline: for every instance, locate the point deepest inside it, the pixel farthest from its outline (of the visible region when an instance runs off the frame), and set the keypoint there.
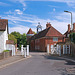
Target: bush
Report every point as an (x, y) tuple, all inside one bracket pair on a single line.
[(6, 51), (72, 37)]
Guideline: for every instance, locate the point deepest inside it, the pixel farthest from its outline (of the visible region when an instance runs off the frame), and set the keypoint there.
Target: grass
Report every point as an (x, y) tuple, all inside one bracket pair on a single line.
[(6, 50)]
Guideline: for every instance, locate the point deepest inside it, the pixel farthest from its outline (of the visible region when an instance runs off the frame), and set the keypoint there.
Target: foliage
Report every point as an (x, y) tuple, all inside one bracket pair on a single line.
[(34, 32), (6, 51), (12, 37), (21, 38), (72, 37)]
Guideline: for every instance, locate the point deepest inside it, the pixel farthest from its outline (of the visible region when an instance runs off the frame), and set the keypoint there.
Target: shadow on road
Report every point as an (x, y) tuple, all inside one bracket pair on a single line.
[(68, 62)]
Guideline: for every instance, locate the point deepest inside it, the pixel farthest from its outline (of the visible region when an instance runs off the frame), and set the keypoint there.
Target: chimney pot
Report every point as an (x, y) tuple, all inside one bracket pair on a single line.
[(73, 26), (68, 27), (48, 25)]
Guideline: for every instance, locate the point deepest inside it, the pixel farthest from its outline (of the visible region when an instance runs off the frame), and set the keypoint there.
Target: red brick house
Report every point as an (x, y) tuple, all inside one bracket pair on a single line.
[(50, 36), (67, 33)]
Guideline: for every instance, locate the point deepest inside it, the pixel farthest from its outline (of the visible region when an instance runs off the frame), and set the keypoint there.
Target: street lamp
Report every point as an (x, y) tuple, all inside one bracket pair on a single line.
[(71, 17)]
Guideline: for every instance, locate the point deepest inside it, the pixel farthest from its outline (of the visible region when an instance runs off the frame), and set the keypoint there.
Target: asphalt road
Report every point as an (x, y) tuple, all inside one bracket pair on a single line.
[(40, 64)]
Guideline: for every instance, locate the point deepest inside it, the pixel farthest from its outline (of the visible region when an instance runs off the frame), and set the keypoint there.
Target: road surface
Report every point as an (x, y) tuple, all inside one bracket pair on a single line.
[(40, 64)]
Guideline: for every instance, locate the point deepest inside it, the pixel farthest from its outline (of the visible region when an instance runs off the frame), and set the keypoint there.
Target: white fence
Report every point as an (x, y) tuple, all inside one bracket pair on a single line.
[(57, 49), (11, 47)]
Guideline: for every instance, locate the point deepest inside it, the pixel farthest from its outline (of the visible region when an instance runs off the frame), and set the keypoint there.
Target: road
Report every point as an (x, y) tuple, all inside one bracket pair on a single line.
[(40, 64)]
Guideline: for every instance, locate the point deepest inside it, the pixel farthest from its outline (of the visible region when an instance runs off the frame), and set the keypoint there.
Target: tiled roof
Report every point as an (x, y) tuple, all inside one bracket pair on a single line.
[(3, 23), (50, 32), (9, 42), (54, 33), (30, 31)]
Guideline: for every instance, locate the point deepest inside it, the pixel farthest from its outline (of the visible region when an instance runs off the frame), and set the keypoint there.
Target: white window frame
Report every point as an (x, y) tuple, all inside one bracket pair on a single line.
[(55, 38)]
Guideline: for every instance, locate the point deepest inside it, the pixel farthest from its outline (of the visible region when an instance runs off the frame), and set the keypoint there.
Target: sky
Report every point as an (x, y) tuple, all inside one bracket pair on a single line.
[(25, 14)]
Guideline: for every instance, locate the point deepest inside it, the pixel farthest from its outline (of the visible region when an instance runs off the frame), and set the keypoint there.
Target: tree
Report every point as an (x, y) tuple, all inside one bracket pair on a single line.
[(72, 37), (21, 38), (17, 36), (12, 37)]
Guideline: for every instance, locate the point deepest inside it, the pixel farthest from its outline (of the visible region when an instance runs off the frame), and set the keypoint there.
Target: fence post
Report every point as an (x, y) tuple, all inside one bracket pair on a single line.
[(27, 50), (22, 49), (47, 48), (12, 50), (24, 52), (63, 49), (69, 49), (59, 50), (66, 49)]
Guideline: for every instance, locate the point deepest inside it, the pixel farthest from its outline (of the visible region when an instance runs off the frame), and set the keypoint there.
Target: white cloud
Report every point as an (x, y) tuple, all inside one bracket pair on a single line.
[(20, 28), (18, 11), (19, 21), (54, 9), (3, 4)]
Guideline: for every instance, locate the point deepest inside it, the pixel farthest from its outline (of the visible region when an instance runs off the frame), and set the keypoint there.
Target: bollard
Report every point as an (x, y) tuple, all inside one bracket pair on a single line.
[(12, 50), (22, 49), (47, 48), (24, 52), (27, 50)]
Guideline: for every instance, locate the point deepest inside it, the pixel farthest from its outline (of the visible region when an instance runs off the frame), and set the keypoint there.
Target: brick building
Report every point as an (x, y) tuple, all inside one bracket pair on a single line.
[(50, 36)]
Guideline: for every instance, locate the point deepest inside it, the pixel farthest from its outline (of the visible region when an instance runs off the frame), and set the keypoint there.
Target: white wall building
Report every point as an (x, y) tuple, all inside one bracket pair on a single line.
[(4, 42)]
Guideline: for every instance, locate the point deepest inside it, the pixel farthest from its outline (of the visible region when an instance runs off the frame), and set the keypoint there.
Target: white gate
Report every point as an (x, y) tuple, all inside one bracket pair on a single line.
[(56, 49)]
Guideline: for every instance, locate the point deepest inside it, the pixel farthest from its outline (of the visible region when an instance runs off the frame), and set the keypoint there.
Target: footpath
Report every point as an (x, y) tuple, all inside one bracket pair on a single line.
[(13, 59)]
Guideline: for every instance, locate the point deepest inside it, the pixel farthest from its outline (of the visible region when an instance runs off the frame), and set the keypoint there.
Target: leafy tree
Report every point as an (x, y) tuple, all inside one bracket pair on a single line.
[(12, 37), (17, 36), (21, 38), (72, 37)]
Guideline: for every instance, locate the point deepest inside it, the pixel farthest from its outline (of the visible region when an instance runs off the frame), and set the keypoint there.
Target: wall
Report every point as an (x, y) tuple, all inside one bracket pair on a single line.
[(3, 38), (51, 42), (1, 41)]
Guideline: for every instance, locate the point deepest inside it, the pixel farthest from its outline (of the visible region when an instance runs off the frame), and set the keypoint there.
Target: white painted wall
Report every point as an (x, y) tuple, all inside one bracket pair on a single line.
[(3, 38)]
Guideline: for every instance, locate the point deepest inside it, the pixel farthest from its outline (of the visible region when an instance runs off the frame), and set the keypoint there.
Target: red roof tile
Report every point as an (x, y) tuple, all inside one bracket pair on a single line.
[(3, 23), (50, 32), (30, 31)]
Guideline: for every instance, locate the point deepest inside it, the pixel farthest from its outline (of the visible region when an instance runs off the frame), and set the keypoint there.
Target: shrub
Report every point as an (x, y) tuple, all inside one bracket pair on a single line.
[(6, 51)]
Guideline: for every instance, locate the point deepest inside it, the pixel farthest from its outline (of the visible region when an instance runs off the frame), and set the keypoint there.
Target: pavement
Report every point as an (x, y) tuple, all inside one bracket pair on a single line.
[(13, 59), (40, 64)]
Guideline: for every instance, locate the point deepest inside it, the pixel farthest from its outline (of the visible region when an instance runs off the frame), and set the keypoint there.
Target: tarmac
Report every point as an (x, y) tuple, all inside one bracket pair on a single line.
[(18, 57), (12, 59)]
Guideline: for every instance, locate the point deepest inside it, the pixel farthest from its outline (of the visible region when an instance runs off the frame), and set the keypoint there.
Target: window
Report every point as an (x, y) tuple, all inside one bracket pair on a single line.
[(55, 38)]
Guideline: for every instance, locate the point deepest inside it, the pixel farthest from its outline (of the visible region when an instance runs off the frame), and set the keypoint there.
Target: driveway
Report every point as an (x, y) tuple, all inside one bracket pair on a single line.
[(40, 64)]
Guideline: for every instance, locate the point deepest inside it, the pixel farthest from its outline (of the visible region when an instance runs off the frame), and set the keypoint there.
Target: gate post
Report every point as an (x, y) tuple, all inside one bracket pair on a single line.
[(69, 49), (24, 52), (27, 50), (22, 49), (63, 49), (59, 50), (12, 51), (47, 48)]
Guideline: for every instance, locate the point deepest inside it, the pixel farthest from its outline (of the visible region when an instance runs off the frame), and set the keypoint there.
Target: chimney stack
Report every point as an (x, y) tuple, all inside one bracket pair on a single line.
[(68, 27), (48, 25), (73, 26)]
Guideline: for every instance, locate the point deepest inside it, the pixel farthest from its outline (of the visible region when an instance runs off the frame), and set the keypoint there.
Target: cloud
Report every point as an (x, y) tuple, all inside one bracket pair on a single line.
[(54, 9), (19, 22), (20, 28), (3, 4), (18, 11)]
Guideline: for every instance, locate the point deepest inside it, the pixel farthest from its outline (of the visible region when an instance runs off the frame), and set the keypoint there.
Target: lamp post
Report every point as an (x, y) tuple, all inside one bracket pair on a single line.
[(71, 17)]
